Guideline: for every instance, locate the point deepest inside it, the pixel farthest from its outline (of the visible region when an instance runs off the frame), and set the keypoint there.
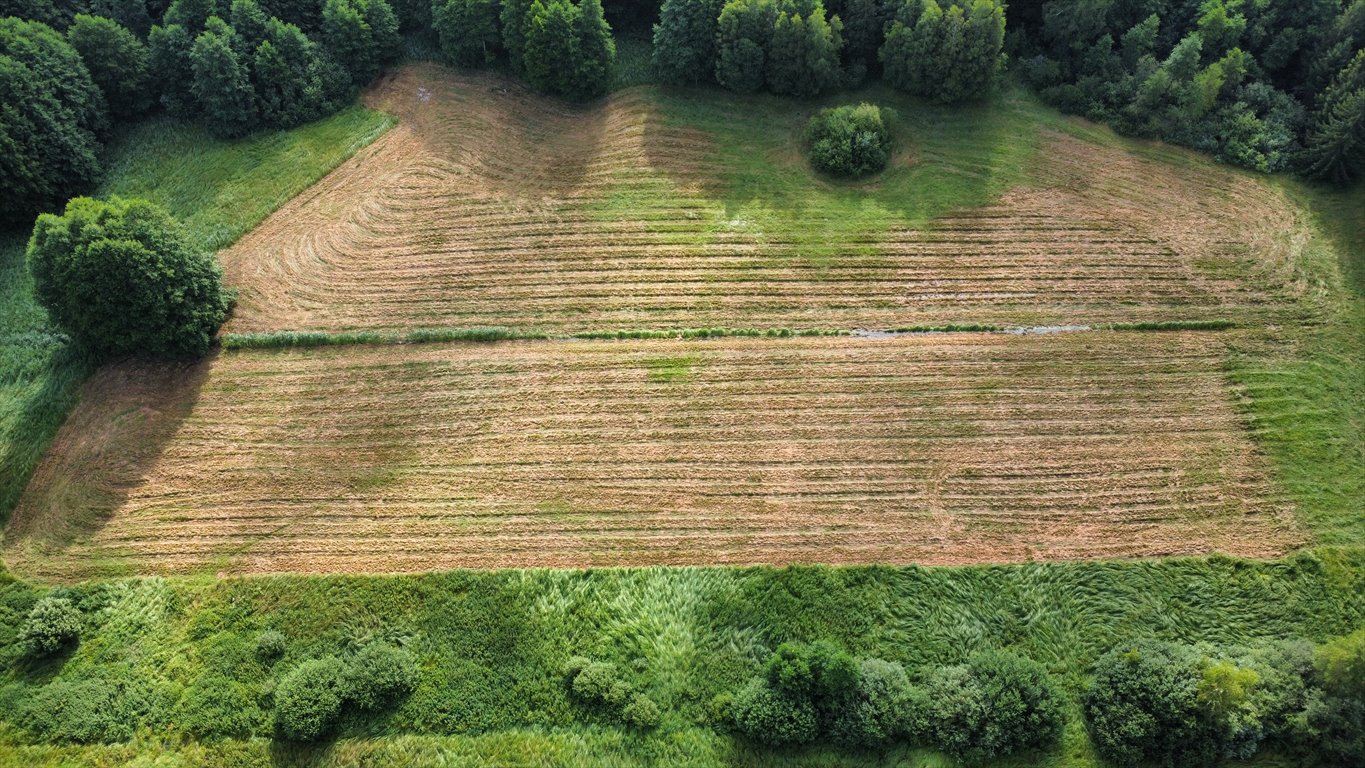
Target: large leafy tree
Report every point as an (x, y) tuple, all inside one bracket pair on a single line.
[(117, 61), (294, 81), (742, 35), (685, 41), (170, 69), (123, 278), (516, 18), (946, 54), (362, 35), (222, 86), (803, 52), (51, 113)]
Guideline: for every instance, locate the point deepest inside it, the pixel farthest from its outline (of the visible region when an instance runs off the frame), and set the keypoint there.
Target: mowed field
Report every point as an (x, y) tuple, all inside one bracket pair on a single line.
[(655, 210), (488, 205), (943, 448)]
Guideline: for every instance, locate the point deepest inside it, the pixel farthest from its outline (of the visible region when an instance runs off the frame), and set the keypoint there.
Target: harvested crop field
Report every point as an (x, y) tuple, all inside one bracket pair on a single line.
[(944, 448), (490, 206)]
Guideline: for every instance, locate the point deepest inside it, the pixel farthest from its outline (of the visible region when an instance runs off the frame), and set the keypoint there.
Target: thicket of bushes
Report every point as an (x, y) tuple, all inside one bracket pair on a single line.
[(1158, 703), (993, 705), (600, 685)]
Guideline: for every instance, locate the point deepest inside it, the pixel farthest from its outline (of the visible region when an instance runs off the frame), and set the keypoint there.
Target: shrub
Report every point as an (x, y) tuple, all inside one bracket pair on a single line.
[(767, 715), (122, 278), (217, 707), (1021, 705), (817, 670), (887, 707), (308, 699), (1143, 706), (52, 623), (849, 141), (379, 675), (50, 122), (641, 712), (594, 682), (1333, 723), (271, 645)]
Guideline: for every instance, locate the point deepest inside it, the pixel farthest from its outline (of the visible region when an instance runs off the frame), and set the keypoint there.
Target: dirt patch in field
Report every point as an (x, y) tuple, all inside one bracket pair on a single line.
[(934, 449), (489, 205)]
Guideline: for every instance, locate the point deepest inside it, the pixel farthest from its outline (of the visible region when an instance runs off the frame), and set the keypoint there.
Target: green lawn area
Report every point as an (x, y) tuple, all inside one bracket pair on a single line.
[(220, 190)]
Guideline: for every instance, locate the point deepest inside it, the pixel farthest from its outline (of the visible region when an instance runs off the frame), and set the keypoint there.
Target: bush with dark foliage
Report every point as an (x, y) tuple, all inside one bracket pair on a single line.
[(849, 141)]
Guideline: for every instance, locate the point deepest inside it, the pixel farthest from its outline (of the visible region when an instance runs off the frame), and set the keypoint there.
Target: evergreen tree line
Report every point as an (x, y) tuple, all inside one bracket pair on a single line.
[(558, 46), (233, 65), (945, 52), (1265, 84)]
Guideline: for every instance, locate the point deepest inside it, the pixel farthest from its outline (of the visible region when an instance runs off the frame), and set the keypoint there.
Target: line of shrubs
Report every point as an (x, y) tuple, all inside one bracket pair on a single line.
[(309, 700), (993, 705)]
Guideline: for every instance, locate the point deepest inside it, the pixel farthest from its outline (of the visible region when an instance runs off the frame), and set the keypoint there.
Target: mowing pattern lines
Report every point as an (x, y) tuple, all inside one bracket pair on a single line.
[(488, 206), (938, 449)]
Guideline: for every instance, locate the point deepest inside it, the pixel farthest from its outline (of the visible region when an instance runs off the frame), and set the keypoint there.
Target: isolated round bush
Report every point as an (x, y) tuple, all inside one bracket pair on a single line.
[(52, 623), (308, 699), (595, 681), (271, 645), (641, 712), (379, 675), (849, 141), (123, 279), (768, 716)]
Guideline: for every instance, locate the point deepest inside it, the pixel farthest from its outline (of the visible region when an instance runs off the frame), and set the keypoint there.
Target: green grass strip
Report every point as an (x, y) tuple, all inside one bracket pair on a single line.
[(1171, 325)]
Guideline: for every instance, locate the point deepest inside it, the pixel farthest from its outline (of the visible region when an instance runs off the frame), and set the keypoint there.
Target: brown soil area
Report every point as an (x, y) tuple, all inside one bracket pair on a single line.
[(935, 449)]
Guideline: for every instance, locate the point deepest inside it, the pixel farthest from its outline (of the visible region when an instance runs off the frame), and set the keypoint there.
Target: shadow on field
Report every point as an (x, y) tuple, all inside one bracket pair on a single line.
[(495, 129), (127, 413)]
